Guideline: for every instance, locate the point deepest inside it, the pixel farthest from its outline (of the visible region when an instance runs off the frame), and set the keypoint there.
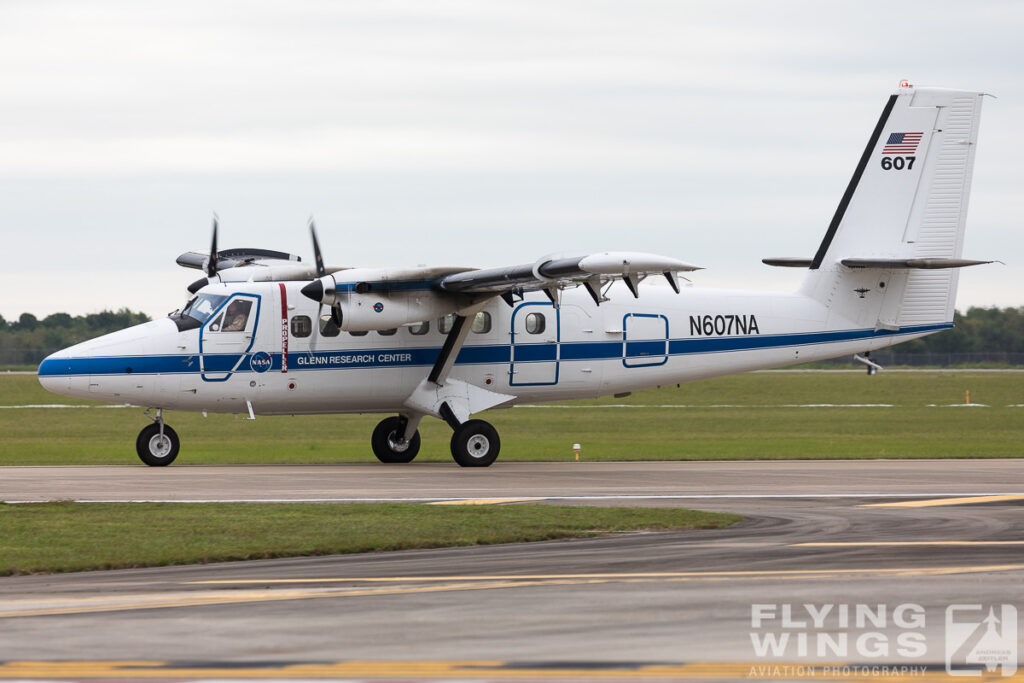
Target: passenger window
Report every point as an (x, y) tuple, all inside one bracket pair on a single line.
[(388, 332), (535, 323), (358, 333), (327, 326), (419, 328), (302, 326), (444, 325), (482, 323), (236, 317)]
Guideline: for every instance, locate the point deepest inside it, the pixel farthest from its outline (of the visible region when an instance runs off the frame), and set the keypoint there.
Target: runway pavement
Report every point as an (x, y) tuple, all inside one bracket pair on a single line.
[(892, 545), (435, 481)]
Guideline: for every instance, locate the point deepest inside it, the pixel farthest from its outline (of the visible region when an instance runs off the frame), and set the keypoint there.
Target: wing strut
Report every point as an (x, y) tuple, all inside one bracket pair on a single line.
[(452, 345), (452, 400)]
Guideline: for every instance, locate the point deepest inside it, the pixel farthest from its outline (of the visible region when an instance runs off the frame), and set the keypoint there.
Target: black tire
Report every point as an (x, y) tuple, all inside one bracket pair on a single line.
[(475, 444), (156, 452), (383, 441)]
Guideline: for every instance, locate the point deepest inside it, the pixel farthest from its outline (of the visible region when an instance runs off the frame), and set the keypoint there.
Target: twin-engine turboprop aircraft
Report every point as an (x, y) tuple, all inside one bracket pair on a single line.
[(266, 334)]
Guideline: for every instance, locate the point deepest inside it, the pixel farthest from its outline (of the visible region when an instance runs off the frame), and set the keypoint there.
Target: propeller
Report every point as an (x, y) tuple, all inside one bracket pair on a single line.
[(211, 264), (315, 289), (210, 268)]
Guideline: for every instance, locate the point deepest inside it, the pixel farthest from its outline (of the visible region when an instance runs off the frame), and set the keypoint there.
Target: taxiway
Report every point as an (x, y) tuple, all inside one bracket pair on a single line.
[(929, 534)]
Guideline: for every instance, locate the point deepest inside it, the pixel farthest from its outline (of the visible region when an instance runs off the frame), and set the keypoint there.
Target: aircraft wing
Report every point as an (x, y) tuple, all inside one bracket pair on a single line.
[(233, 258), (547, 274)]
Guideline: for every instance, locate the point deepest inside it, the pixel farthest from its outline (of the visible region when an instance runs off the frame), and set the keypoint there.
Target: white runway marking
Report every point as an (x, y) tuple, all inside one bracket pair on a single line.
[(691, 496), (63, 405)]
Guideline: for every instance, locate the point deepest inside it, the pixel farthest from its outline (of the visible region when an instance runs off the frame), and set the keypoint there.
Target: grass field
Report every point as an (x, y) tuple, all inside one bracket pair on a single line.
[(739, 417), (59, 537)]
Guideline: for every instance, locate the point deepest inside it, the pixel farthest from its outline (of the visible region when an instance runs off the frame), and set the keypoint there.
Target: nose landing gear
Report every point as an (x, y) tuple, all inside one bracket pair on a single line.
[(157, 444)]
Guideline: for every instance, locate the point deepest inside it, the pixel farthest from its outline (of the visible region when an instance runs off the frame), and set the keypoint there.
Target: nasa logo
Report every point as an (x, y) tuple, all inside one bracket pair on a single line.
[(260, 362), (378, 307)]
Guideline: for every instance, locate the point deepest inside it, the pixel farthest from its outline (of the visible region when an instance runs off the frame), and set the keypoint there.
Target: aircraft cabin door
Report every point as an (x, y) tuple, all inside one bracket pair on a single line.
[(227, 336), (644, 340), (535, 340)]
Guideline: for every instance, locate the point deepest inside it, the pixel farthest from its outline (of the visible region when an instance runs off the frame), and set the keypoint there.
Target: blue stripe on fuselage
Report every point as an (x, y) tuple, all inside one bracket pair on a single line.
[(469, 355)]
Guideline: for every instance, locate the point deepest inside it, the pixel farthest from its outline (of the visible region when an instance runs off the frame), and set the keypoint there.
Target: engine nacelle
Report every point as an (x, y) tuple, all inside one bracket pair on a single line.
[(368, 302), (366, 312)]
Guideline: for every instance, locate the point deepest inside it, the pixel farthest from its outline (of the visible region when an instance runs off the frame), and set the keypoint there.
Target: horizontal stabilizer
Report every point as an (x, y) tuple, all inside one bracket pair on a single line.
[(922, 263), (890, 263), (787, 262)]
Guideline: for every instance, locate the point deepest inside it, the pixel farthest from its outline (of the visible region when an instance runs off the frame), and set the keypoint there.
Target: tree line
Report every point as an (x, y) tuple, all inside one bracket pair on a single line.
[(979, 330), (28, 340)]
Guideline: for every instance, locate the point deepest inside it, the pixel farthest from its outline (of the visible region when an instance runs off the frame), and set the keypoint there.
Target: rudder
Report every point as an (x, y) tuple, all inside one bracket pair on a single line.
[(901, 220)]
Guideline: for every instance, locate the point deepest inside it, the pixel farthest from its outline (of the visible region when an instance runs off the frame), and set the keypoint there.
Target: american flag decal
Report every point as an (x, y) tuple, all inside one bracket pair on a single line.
[(902, 143)]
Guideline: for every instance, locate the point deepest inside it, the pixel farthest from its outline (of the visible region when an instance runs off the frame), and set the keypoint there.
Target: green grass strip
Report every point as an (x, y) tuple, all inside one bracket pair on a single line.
[(66, 537), (926, 420)]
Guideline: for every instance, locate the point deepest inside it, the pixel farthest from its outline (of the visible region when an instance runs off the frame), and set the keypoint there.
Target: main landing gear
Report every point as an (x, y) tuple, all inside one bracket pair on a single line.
[(390, 444), (475, 443), (157, 444)]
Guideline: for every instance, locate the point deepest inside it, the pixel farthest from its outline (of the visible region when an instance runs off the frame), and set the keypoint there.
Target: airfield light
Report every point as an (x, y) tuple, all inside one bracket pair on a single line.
[(576, 451)]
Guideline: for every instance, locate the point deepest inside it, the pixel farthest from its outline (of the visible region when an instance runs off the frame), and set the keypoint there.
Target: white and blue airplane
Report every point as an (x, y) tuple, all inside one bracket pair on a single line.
[(266, 334)]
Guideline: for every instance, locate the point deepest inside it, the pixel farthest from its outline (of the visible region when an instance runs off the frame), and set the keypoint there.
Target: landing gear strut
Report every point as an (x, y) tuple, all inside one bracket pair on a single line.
[(475, 443), (157, 444), (389, 442)]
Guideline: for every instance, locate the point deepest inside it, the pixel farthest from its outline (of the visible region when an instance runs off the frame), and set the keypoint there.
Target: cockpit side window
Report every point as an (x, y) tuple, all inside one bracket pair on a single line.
[(197, 311), (203, 306), (236, 317)]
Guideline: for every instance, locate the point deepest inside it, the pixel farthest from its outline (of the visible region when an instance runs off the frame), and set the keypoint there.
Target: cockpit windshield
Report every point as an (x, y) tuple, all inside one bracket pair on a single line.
[(202, 307)]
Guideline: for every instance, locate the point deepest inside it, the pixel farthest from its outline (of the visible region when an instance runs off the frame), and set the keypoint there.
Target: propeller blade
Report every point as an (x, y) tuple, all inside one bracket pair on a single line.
[(317, 255), (211, 265)]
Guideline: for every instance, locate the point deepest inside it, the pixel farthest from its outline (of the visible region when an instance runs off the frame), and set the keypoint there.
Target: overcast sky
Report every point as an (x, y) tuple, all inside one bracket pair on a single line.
[(470, 133)]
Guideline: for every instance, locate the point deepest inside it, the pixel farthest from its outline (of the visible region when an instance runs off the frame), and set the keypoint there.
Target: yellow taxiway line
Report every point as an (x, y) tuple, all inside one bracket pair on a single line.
[(734, 574), (487, 669), (936, 502), (400, 585)]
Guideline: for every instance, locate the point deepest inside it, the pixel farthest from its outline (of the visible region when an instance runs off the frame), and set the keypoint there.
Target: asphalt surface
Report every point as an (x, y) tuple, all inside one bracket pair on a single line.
[(568, 480), (897, 542)]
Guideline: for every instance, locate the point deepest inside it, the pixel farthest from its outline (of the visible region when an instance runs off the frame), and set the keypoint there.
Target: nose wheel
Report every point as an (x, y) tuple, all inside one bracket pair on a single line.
[(157, 445)]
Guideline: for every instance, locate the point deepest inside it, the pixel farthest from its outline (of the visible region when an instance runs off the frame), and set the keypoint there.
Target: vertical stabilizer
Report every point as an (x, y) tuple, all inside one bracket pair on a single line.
[(907, 201)]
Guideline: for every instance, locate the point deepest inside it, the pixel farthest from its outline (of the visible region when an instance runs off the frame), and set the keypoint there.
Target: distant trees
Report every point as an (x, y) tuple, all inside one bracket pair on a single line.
[(28, 340), (978, 330)]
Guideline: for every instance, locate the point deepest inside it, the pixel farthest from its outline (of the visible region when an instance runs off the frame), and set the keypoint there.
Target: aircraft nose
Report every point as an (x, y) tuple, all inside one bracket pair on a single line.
[(54, 372)]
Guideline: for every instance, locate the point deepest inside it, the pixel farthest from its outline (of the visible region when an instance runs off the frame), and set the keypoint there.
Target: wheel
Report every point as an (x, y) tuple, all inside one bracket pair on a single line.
[(385, 441), (475, 444), (156, 450)]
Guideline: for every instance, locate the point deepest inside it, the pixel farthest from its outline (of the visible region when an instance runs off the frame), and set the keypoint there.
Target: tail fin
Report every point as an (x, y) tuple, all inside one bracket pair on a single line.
[(891, 253)]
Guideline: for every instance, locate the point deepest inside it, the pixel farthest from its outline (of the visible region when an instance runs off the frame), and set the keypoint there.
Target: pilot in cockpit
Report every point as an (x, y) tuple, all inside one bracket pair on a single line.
[(236, 316)]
